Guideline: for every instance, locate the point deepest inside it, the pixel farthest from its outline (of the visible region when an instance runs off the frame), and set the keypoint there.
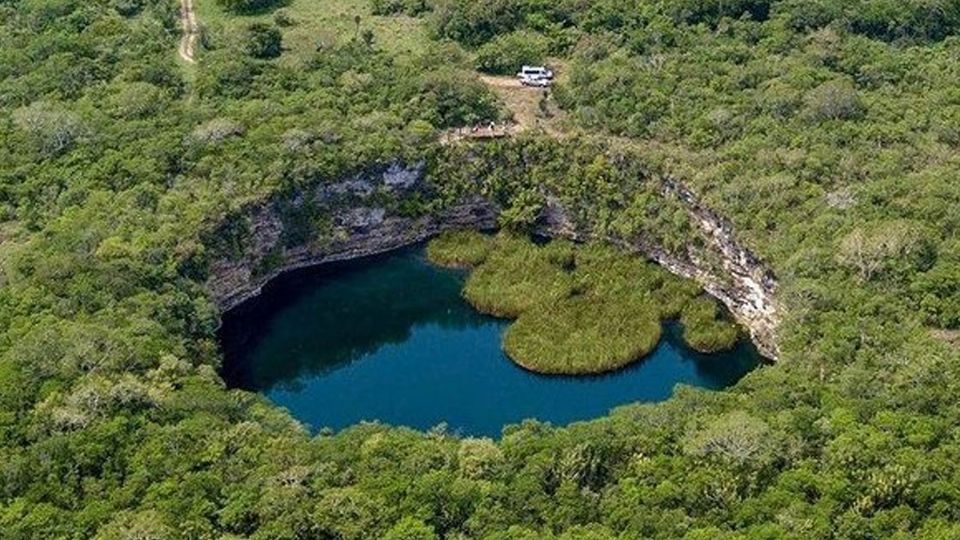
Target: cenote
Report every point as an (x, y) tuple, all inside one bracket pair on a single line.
[(388, 338)]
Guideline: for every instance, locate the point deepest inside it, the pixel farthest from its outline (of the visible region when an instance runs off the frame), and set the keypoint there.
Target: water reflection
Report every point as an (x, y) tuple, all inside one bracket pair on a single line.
[(390, 339), (312, 322)]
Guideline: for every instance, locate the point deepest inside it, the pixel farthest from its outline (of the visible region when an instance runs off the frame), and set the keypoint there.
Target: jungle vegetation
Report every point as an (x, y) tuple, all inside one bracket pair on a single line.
[(826, 132)]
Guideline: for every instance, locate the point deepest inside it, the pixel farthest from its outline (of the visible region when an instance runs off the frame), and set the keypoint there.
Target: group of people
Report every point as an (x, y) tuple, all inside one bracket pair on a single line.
[(481, 129)]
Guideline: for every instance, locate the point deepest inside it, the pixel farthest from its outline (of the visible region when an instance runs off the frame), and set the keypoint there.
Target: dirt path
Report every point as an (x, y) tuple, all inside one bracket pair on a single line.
[(522, 101), (188, 21), (529, 107)]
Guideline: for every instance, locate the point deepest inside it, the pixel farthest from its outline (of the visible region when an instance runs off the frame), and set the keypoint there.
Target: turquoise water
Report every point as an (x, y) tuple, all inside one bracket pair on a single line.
[(390, 339)]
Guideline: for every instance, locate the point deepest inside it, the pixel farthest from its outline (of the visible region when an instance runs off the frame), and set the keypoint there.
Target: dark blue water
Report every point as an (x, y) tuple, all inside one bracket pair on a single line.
[(390, 339)]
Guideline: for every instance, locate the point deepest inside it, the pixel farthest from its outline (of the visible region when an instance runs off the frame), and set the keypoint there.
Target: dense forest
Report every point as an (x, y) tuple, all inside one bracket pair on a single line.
[(826, 131)]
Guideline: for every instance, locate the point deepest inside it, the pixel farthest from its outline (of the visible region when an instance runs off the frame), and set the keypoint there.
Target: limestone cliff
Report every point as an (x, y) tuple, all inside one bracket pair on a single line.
[(742, 281), (362, 226), (359, 226)]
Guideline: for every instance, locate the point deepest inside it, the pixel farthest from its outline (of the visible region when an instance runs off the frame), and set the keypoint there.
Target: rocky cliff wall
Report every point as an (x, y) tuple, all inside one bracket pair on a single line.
[(743, 283), (361, 227)]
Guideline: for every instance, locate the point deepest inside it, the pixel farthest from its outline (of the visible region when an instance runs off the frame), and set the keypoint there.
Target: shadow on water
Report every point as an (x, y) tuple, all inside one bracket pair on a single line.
[(389, 338), (314, 321), (716, 370)]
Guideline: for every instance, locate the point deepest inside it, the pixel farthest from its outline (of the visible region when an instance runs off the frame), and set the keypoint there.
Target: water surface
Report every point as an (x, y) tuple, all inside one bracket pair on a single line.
[(390, 339)]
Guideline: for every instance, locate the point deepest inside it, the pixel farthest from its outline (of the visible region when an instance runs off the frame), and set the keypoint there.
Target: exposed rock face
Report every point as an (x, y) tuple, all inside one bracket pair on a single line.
[(361, 228), (748, 287), (744, 284)]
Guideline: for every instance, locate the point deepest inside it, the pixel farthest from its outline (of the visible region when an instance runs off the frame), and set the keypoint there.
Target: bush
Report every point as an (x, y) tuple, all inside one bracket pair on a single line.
[(704, 330), (247, 6), (226, 74), (283, 18), (912, 20), (506, 54), (735, 438), (217, 130), (834, 100), (399, 7), (409, 528), (53, 129), (886, 246), (264, 41), (939, 293), (136, 100), (457, 99), (473, 22)]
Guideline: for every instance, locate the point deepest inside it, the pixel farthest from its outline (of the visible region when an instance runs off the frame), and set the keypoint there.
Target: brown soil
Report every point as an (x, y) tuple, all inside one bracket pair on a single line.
[(188, 21), (524, 103), (950, 336)]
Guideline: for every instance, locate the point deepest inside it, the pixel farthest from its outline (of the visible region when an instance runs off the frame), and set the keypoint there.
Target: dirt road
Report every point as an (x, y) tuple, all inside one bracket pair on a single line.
[(525, 104), (520, 100), (188, 21)]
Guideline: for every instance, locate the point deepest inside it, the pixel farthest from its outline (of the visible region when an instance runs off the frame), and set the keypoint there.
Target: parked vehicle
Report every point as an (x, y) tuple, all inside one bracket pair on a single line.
[(540, 83), (540, 76)]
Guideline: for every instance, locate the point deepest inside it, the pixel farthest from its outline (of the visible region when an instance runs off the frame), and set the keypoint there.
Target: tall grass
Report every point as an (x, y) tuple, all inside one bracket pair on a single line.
[(579, 309), (516, 276), (583, 334), (459, 249), (704, 329)]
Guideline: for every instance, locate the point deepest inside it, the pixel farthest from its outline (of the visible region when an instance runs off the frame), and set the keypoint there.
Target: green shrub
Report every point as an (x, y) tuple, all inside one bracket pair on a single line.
[(283, 18), (247, 6), (399, 7), (51, 127), (834, 100), (507, 53), (264, 41), (703, 328), (409, 528), (456, 99)]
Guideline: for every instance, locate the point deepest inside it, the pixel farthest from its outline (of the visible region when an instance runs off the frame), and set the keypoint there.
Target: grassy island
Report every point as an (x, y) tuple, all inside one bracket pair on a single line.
[(516, 276), (578, 309), (583, 334)]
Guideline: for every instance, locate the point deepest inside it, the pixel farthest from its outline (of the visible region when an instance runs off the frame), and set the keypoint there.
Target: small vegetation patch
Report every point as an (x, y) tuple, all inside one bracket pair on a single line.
[(459, 249), (310, 28), (703, 328), (578, 309)]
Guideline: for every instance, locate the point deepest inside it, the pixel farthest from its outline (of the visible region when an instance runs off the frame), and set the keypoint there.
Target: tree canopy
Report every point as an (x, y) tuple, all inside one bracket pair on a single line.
[(824, 132)]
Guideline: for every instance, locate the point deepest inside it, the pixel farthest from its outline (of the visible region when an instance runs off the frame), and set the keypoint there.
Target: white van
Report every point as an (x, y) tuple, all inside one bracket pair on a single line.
[(535, 76)]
